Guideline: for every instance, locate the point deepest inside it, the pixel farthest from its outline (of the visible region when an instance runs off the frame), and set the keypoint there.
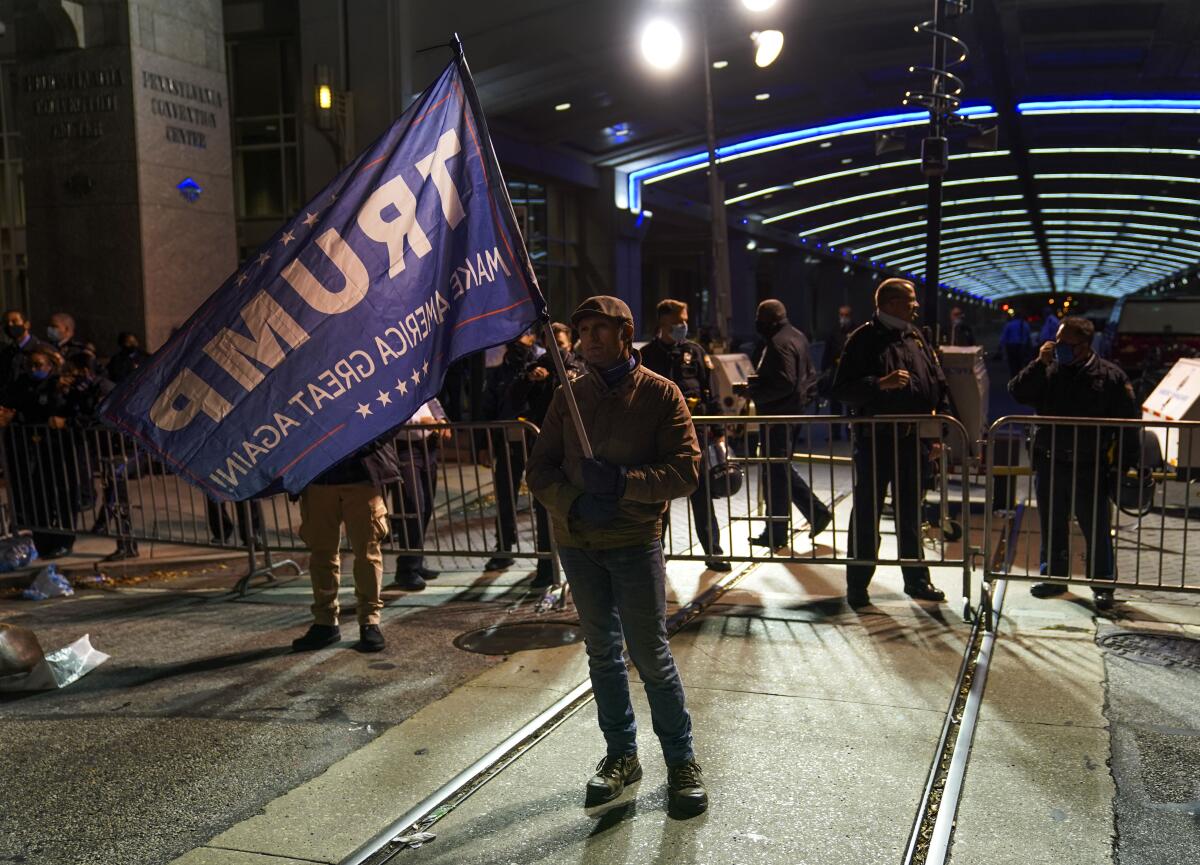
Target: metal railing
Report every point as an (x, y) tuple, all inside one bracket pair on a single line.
[(461, 495), (915, 466), (1106, 503)]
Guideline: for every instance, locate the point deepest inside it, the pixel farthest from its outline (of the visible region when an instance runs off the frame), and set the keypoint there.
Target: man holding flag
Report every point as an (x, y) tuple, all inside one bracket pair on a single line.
[(338, 330), (607, 508)]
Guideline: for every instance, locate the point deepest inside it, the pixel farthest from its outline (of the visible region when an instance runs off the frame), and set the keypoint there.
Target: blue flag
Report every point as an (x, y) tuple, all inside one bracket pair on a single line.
[(342, 325)]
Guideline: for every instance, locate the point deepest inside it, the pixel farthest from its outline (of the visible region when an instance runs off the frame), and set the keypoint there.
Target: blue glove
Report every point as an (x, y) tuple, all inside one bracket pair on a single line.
[(595, 510), (601, 478)]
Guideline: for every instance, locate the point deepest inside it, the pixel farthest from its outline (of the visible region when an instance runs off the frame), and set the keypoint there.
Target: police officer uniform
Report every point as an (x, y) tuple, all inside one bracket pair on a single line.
[(888, 454), (1070, 463), (688, 365)]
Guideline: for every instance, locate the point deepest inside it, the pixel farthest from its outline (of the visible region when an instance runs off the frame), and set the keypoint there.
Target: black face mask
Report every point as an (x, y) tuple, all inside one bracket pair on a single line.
[(766, 328), (14, 331)]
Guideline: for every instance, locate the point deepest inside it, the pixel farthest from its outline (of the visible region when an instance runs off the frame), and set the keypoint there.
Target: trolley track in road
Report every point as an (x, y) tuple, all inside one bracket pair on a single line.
[(412, 829)]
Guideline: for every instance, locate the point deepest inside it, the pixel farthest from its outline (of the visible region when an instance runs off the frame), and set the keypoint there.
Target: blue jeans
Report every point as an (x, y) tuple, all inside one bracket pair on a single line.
[(622, 592)]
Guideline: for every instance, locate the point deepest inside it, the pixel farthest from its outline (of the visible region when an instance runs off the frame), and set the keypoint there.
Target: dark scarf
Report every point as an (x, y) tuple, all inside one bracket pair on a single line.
[(613, 375)]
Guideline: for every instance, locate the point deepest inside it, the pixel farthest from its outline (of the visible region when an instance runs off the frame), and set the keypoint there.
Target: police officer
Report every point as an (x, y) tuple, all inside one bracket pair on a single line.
[(785, 385), (888, 368), (672, 355), (1068, 379)]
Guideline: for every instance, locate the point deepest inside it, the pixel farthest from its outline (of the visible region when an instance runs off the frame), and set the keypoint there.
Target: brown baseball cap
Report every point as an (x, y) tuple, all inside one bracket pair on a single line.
[(602, 304)]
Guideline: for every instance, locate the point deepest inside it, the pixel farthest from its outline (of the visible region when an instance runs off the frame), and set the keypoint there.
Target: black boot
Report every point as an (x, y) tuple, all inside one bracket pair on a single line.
[(686, 796), (612, 776), (1047, 590), (317, 637), (924, 592), (370, 639), (408, 580)]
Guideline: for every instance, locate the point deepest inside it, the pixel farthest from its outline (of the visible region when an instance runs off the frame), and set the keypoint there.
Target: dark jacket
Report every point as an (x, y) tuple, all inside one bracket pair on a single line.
[(641, 423), (374, 464), (14, 358), (1096, 388), (124, 363), (35, 402), (688, 365), (531, 399), (874, 350), (497, 395), (787, 380), (960, 334)]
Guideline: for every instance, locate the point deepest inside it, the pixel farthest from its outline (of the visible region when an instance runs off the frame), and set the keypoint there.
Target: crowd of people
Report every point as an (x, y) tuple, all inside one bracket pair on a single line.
[(606, 494)]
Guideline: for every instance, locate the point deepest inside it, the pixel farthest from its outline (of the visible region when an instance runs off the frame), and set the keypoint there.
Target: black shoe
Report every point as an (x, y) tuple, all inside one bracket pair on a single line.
[(408, 581), (686, 796), (766, 540), (858, 598), (1047, 590), (613, 774), (925, 592), (820, 524), (1104, 599), (122, 552), (719, 565), (427, 573), (498, 563), (370, 639), (317, 637)]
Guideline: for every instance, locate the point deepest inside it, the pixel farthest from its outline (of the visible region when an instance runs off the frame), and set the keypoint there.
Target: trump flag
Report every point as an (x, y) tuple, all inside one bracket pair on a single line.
[(343, 325)]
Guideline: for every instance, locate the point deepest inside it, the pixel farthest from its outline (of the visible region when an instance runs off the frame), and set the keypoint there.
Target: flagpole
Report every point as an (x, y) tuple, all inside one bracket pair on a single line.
[(568, 391), (456, 45)]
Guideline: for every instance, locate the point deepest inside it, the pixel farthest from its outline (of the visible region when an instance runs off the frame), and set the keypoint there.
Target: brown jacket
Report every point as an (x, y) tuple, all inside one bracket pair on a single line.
[(643, 424)]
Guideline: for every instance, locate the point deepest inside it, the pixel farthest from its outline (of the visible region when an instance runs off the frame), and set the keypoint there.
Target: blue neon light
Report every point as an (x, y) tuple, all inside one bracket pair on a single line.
[(1093, 106), (792, 136)]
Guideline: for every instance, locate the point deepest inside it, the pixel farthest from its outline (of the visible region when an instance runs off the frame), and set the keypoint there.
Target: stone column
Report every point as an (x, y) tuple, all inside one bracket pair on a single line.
[(124, 113)]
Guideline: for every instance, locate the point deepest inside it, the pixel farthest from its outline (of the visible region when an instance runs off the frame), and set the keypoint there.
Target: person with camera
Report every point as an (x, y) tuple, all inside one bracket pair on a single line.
[(889, 368), (785, 384), (607, 512), (673, 356), (1070, 463)]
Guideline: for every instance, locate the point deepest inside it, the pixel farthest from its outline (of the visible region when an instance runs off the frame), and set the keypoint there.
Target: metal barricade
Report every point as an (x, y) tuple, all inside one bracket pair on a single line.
[(461, 495), (919, 465), (1112, 500)]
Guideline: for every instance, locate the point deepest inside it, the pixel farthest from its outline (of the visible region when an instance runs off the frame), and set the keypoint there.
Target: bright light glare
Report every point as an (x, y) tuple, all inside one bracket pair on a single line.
[(324, 96), (563, 106), (662, 44), (720, 64), (758, 5), (762, 97), (770, 43)]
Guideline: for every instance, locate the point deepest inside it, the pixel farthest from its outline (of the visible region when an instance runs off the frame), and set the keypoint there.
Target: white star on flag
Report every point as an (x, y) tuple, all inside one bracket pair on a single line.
[(384, 398), (287, 237), (425, 367), (363, 409), (264, 258), (241, 278), (310, 219), (402, 386), (416, 376)]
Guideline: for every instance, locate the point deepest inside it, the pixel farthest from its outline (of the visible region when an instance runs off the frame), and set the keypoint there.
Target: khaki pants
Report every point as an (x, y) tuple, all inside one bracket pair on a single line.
[(323, 509)]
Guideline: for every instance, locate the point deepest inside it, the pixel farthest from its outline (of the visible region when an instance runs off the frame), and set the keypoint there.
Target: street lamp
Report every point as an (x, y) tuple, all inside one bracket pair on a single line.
[(662, 47)]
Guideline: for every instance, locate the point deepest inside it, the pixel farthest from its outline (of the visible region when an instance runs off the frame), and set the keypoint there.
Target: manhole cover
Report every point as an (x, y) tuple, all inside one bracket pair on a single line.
[(506, 639), (1165, 650)]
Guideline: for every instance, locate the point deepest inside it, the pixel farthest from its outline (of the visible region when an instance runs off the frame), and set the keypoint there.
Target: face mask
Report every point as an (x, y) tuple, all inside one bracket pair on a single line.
[(679, 332), (39, 374), (54, 334), (1064, 354), (14, 331), (844, 320), (765, 328)]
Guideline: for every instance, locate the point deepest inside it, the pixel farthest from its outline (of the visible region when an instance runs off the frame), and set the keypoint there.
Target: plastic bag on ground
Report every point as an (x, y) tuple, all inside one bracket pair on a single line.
[(16, 552), (58, 669), (49, 583)]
